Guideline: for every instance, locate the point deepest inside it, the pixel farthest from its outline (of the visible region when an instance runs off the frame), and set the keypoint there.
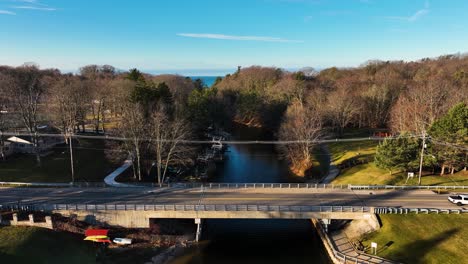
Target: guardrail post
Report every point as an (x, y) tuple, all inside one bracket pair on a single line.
[(198, 221)]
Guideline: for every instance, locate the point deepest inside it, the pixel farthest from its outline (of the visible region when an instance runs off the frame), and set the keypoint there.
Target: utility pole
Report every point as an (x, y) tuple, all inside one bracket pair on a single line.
[(70, 140), (422, 156)]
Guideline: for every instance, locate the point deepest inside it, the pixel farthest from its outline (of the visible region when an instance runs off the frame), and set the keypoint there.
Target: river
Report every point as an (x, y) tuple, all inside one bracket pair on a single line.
[(255, 241)]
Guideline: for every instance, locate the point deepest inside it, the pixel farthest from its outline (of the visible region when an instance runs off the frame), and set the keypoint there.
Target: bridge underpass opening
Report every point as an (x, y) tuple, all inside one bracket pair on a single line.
[(258, 241)]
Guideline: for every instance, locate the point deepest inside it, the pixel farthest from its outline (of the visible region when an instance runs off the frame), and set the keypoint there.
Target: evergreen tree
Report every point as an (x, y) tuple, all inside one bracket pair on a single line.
[(397, 154), (452, 129)]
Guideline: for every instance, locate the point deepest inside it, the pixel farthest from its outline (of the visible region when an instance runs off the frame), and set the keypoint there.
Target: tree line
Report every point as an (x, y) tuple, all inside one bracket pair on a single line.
[(404, 97)]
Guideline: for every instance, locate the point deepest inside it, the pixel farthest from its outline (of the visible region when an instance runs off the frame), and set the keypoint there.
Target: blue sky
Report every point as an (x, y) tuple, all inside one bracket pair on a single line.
[(204, 37)]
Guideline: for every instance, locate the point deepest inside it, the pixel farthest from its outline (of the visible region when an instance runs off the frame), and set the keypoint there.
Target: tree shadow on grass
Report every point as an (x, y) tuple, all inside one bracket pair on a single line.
[(415, 251)]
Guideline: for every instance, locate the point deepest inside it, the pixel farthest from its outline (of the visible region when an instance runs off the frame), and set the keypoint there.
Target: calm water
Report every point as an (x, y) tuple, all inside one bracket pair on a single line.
[(255, 241), (208, 80)]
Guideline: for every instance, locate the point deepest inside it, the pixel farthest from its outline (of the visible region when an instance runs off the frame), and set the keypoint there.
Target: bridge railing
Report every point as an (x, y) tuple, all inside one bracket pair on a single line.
[(343, 257), (398, 210), (228, 207), (238, 186), (185, 207), (406, 187)]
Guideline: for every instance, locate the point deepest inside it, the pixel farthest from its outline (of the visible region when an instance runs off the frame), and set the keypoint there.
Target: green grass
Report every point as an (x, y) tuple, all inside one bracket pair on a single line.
[(422, 238), (37, 245), (370, 174), (366, 174), (459, 178), (342, 151), (90, 165)]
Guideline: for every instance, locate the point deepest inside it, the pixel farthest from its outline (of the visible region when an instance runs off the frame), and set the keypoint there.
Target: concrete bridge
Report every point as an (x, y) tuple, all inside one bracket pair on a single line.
[(134, 207)]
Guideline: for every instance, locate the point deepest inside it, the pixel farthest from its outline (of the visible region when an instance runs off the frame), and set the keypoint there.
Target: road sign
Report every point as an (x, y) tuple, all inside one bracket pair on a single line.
[(410, 174)]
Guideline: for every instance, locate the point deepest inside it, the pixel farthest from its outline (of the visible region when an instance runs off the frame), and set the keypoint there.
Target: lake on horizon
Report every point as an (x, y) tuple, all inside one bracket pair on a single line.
[(208, 80)]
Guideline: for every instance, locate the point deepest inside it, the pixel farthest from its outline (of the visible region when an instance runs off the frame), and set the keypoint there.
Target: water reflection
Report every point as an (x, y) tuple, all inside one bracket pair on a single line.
[(255, 241)]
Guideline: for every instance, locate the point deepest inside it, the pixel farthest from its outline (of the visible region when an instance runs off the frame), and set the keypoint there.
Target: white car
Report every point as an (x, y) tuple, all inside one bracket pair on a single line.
[(122, 241), (459, 199)]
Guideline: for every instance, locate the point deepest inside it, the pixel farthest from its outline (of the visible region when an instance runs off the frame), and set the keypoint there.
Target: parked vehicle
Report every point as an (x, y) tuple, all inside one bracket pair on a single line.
[(459, 199)]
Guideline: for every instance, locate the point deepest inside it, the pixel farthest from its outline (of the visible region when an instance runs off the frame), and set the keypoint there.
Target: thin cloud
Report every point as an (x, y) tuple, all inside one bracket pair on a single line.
[(238, 38), (26, 1), (6, 12), (32, 5), (416, 16), (35, 8)]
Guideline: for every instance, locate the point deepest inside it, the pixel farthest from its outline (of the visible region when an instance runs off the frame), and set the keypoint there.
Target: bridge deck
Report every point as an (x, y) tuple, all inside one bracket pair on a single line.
[(286, 197)]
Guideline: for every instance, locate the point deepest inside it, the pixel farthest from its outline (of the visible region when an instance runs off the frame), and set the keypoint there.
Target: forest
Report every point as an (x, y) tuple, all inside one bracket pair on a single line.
[(156, 113)]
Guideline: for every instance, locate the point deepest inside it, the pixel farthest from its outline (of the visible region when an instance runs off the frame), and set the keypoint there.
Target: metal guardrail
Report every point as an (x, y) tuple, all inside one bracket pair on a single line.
[(186, 207), (395, 210), (53, 185), (230, 207), (239, 186), (406, 187), (26, 184)]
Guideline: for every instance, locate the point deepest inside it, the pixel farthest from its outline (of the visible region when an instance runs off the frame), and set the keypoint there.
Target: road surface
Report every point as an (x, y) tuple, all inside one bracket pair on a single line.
[(303, 197)]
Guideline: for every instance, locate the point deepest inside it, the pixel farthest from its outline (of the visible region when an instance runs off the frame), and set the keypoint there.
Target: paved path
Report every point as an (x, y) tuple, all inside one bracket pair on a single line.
[(342, 244), (333, 170), (338, 238), (110, 179)]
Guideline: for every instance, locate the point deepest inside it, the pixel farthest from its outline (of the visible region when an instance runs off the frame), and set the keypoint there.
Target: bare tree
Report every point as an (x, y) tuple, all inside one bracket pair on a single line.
[(301, 123), (98, 78), (133, 126), (342, 107), (420, 106), (5, 115), (167, 136), (65, 102), (28, 87)]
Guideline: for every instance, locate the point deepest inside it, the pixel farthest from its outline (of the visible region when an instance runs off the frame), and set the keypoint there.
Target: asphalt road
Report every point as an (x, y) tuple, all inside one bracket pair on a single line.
[(304, 197)]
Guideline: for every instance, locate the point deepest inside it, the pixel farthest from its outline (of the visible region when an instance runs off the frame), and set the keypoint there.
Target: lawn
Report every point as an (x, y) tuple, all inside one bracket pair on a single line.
[(37, 245), (369, 173), (342, 151), (422, 238), (90, 165)]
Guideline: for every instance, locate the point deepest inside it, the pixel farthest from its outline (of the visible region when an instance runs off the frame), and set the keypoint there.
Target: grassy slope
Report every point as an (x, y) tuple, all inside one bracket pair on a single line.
[(36, 245), (422, 238), (342, 151), (90, 165), (370, 174), (413, 239)]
